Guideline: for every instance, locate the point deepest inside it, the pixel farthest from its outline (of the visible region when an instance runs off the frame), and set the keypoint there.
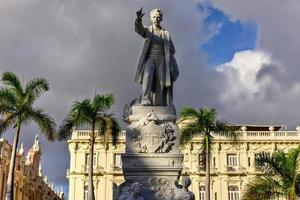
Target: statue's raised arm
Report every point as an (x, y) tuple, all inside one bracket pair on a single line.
[(139, 27)]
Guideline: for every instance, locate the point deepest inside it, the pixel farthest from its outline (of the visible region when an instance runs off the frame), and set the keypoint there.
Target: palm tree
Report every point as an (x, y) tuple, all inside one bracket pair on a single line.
[(204, 122), (281, 178), (16, 109), (92, 113)]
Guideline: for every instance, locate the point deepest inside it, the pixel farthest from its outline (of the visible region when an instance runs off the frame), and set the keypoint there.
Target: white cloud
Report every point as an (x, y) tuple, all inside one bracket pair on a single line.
[(252, 92), (241, 74)]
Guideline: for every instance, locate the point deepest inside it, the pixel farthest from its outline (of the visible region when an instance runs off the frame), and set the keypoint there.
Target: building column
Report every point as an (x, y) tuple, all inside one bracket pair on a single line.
[(109, 188), (71, 188), (195, 187)]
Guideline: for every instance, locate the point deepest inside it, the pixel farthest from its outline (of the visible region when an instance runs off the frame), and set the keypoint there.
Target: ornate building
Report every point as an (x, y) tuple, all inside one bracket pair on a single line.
[(29, 183), (232, 164)]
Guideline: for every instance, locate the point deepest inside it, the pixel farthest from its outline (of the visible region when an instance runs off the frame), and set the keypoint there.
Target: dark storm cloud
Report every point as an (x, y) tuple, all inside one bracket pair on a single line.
[(88, 47)]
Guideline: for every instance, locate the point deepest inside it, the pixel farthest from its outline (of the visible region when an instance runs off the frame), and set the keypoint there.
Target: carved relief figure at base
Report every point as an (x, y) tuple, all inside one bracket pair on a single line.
[(132, 193)]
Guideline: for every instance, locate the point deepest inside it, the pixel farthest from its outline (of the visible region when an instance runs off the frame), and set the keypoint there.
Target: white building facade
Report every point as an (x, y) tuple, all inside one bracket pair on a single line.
[(231, 165)]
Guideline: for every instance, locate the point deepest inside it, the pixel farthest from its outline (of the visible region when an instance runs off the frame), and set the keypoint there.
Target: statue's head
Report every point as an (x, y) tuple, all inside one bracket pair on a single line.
[(156, 16), (186, 182)]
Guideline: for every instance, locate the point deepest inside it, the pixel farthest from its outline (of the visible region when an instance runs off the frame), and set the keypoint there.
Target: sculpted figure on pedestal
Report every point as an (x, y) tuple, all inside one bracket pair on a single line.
[(157, 68), (183, 193)]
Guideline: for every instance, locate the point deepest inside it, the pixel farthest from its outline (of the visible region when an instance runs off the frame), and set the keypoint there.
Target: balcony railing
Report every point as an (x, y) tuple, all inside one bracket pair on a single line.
[(85, 134), (263, 135), (235, 169), (213, 169), (243, 135), (96, 169)]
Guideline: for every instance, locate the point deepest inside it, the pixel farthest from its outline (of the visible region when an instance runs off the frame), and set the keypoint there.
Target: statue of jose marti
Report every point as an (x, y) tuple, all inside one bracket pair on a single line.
[(152, 134), (157, 68)]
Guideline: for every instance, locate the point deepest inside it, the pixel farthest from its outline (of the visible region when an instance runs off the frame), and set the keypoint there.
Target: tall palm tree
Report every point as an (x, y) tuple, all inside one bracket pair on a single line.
[(204, 122), (281, 178), (16, 109), (92, 113)]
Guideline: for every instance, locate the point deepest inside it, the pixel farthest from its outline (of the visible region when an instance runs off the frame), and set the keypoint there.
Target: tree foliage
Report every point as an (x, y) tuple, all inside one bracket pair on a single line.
[(204, 122), (280, 178), (92, 113), (17, 109)]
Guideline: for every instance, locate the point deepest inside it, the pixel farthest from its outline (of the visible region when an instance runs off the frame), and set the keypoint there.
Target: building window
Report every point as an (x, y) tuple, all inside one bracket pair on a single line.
[(117, 160), (85, 192), (201, 162), (87, 159), (202, 192), (249, 162), (214, 161), (232, 160), (233, 193)]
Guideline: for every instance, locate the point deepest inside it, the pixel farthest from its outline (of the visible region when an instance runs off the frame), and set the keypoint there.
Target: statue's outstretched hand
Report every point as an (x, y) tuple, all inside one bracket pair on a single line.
[(140, 13)]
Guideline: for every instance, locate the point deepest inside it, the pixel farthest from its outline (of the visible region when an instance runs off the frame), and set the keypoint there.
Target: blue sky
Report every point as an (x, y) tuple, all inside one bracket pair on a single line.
[(229, 36)]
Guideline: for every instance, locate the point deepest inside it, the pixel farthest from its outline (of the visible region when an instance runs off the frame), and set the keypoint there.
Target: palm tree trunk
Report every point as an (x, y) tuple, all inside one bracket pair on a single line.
[(91, 195), (10, 180), (207, 171)]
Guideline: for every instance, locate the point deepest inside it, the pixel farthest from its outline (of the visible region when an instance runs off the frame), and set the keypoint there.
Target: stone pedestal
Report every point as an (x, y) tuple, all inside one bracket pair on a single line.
[(152, 162)]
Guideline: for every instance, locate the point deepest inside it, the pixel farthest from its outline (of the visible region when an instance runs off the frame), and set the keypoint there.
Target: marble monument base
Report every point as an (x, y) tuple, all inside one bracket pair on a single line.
[(152, 162)]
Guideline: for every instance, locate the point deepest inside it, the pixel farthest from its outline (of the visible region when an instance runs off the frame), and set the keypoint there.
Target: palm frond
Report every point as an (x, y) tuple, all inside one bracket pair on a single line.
[(223, 128), (102, 125), (297, 184), (108, 128), (185, 137), (292, 161), (44, 121), (103, 102), (11, 80), (65, 129), (7, 97), (113, 129), (6, 108), (6, 122), (209, 113), (81, 112), (187, 132), (35, 88), (262, 188), (207, 117), (189, 112), (274, 165)]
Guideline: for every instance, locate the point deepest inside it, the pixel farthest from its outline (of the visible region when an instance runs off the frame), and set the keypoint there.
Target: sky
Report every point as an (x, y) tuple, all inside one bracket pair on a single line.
[(241, 57)]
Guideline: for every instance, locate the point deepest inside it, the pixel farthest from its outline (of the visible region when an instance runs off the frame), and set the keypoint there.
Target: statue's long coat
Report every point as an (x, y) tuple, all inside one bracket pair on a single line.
[(169, 50)]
